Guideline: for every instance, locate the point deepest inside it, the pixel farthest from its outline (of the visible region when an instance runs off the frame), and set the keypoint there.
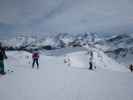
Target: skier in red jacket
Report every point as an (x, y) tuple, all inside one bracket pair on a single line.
[(35, 57)]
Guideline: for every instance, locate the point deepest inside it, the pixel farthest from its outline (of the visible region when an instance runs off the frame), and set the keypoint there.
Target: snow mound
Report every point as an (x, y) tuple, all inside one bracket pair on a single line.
[(101, 60), (19, 59)]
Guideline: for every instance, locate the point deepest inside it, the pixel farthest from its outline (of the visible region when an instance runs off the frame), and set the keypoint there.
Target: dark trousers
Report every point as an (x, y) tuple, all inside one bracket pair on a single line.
[(91, 66), (35, 61), (2, 67), (131, 69)]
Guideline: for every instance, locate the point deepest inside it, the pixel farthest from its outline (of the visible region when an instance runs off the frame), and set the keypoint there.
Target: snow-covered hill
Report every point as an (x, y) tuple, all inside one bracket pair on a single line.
[(54, 80), (120, 41), (20, 41), (119, 47), (56, 41), (100, 60)]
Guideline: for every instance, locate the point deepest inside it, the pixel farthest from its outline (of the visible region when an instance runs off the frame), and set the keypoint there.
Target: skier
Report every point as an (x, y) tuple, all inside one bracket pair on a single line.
[(131, 67), (91, 61), (91, 66), (35, 57), (2, 57)]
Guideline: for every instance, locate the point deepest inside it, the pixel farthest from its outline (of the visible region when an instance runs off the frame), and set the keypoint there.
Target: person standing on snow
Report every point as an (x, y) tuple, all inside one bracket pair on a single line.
[(2, 57), (35, 57), (131, 67), (91, 61), (91, 64)]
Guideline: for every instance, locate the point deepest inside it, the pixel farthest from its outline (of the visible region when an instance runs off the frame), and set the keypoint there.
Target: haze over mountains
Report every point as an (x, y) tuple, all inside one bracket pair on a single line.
[(72, 16)]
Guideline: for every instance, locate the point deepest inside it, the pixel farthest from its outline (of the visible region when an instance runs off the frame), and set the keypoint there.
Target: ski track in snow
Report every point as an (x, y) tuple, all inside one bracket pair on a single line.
[(57, 81)]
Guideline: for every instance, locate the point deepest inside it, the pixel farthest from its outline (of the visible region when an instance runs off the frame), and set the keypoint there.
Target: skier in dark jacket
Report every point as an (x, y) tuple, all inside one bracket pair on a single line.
[(91, 61), (35, 57), (131, 67), (2, 57)]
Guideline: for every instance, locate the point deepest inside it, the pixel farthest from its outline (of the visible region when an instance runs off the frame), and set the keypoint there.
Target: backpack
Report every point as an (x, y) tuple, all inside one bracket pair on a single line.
[(35, 55)]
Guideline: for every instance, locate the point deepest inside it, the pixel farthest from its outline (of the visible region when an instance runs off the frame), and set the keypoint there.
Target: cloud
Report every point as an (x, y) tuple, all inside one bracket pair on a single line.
[(66, 15), (5, 28)]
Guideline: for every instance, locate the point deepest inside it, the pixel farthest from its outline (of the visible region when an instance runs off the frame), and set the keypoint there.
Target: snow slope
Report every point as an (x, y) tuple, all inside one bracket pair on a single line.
[(101, 60), (56, 81)]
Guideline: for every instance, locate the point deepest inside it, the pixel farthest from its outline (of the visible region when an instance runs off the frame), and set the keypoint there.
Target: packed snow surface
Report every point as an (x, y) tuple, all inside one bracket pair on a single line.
[(101, 60), (55, 80)]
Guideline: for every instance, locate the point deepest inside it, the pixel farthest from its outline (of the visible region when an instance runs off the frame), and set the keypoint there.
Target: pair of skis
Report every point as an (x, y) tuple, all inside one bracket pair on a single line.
[(7, 72)]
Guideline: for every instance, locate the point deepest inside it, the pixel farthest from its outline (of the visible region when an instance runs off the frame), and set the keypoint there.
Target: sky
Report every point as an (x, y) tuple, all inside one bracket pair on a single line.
[(72, 16)]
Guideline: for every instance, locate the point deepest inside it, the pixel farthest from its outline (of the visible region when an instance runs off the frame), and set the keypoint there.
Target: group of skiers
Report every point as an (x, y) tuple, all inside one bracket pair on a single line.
[(35, 57)]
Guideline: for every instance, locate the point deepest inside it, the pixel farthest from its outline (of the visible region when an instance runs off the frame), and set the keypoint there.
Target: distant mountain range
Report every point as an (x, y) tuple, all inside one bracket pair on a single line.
[(53, 42), (117, 46)]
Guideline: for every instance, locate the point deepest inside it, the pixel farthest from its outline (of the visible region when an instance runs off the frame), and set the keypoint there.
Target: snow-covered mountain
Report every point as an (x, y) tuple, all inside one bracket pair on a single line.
[(119, 41), (119, 47), (116, 46), (20, 41), (56, 41)]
